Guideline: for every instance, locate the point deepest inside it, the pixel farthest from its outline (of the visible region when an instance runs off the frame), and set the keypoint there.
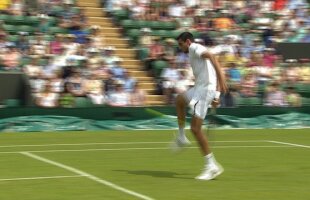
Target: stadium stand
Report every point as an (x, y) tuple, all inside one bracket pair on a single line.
[(90, 37)]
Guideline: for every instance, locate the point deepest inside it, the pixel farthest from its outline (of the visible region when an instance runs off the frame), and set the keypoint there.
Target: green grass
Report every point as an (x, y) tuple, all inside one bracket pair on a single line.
[(255, 169)]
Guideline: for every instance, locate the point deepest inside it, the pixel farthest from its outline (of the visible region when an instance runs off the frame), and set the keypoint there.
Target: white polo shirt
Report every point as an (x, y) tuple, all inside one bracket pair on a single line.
[(203, 69)]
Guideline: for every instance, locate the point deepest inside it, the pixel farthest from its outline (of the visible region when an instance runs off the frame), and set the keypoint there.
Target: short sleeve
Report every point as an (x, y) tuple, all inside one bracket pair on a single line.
[(198, 49)]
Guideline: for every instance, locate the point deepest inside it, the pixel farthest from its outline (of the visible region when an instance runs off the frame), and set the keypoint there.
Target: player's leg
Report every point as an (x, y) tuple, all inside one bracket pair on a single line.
[(181, 139), (199, 110), (212, 168), (202, 140)]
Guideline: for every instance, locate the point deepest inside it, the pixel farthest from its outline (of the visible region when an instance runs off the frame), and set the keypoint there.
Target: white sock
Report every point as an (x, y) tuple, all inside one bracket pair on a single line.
[(181, 133), (210, 160)]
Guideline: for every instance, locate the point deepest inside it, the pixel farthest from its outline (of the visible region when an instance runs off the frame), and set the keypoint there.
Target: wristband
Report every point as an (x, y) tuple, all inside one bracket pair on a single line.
[(217, 94)]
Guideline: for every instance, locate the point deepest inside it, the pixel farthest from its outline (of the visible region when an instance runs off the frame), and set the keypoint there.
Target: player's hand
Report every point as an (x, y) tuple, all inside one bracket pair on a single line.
[(215, 103)]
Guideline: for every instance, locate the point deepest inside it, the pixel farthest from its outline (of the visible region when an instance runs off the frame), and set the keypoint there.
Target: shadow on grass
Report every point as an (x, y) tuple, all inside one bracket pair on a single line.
[(158, 174)]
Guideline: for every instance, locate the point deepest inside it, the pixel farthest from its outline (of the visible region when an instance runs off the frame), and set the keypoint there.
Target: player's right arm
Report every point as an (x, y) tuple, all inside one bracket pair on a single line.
[(221, 86)]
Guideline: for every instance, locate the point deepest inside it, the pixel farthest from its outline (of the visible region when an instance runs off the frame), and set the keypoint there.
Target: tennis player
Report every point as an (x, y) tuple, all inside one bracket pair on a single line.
[(209, 83)]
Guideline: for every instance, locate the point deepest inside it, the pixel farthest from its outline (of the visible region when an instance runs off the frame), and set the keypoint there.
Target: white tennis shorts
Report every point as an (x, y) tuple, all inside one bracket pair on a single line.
[(199, 100)]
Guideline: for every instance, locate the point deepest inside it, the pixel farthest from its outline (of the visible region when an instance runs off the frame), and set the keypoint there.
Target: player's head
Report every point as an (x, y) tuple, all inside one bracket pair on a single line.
[(184, 40)]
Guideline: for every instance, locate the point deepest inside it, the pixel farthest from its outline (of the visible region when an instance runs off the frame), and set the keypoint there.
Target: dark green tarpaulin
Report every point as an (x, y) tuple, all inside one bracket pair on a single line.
[(63, 123)]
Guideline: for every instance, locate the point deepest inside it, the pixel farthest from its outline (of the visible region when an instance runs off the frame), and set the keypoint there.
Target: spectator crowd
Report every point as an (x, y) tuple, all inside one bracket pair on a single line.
[(65, 58), (244, 36)]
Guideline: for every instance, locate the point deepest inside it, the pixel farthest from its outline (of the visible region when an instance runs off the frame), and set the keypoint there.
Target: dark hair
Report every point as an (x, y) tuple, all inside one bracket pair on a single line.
[(186, 35)]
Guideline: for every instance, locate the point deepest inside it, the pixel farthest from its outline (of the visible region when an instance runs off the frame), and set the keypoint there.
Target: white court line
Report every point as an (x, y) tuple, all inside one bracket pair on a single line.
[(87, 175), (112, 143), (39, 177), (143, 148), (290, 144)]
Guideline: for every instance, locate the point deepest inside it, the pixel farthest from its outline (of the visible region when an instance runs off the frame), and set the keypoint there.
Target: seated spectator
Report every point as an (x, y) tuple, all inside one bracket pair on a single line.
[(109, 56), (56, 46), (248, 86), (97, 40), (145, 40), (269, 57), (182, 84), (119, 97), (69, 45), (57, 83), (234, 74), (47, 99), (275, 96), (76, 81), (170, 50), (4, 6), (93, 89), (292, 97), (33, 69), (223, 22), (10, 59), (156, 53), (117, 70), (38, 46), (66, 99), (137, 96), (170, 76), (17, 7), (94, 59), (44, 25), (49, 69), (23, 44), (37, 84), (128, 82)]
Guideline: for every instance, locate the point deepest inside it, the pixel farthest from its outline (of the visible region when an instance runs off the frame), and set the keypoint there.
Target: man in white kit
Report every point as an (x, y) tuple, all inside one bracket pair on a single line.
[(209, 83)]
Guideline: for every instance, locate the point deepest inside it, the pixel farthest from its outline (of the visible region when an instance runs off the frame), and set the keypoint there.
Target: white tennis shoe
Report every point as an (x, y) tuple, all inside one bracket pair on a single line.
[(179, 143), (211, 172)]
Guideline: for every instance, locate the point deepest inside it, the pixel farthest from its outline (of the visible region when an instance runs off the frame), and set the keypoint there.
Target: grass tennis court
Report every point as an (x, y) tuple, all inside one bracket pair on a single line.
[(259, 164)]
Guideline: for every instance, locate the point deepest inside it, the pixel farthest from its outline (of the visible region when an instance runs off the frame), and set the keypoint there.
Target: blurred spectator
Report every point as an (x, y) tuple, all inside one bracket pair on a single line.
[(269, 58), (137, 96), (234, 74), (23, 44), (49, 68), (182, 84), (33, 69), (10, 59), (293, 98), (117, 70), (156, 53), (47, 99), (16, 7), (4, 6), (170, 76), (56, 46), (57, 83), (248, 86), (93, 89), (223, 22), (94, 60), (76, 81), (38, 45), (275, 96), (145, 39), (128, 82), (66, 99), (170, 49), (109, 56), (119, 97)]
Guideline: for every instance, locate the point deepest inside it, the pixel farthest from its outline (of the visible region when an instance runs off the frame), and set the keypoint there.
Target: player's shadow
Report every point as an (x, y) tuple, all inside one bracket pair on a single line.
[(159, 174)]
